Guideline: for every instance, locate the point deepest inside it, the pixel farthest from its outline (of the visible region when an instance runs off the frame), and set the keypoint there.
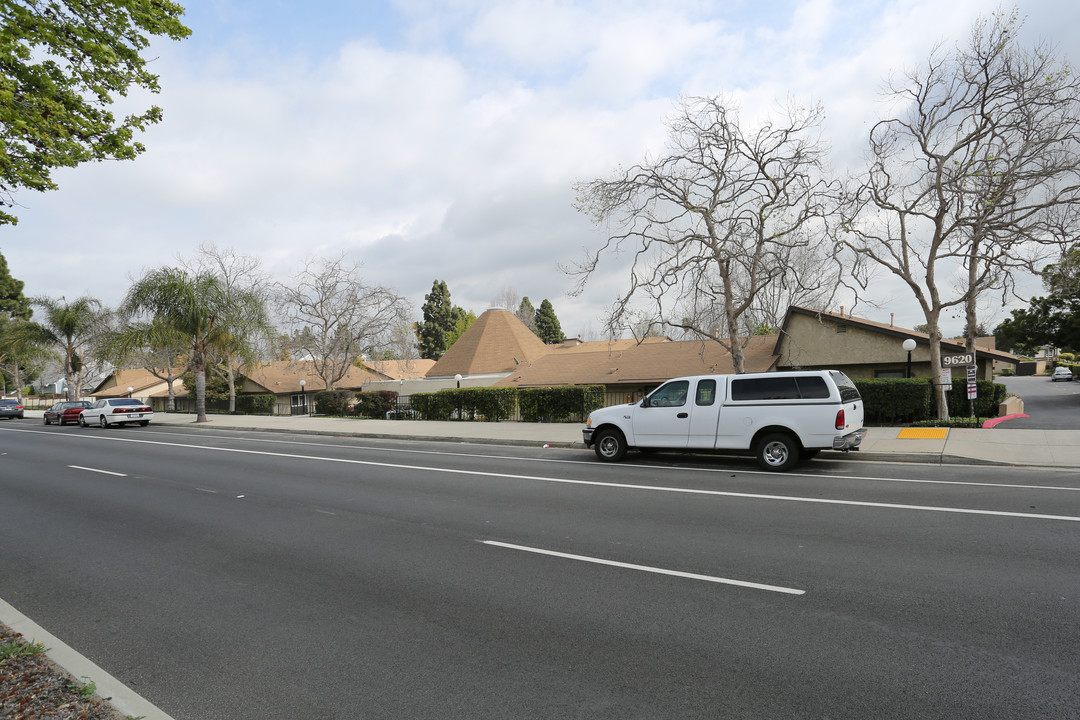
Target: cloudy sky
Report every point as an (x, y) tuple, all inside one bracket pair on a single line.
[(432, 139)]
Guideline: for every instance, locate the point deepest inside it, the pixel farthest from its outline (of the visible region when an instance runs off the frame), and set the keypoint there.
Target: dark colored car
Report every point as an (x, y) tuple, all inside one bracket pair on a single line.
[(66, 412), (11, 409)]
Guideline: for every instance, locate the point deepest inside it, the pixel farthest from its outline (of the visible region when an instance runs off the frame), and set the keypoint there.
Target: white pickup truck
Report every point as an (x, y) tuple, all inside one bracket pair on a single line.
[(782, 417)]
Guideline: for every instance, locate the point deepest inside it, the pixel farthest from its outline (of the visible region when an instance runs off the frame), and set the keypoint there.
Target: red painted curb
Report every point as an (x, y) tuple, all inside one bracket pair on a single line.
[(994, 421)]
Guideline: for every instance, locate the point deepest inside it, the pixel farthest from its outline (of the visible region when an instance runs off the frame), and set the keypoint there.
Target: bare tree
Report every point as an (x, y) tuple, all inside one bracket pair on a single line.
[(333, 315), (506, 298), (716, 222), (968, 181)]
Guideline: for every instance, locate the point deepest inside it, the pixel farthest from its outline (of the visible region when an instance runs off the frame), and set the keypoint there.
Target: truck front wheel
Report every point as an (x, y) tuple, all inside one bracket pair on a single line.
[(610, 445), (777, 451)]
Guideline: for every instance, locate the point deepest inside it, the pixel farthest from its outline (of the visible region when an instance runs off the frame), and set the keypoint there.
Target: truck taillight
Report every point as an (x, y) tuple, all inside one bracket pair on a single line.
[(840, 419)]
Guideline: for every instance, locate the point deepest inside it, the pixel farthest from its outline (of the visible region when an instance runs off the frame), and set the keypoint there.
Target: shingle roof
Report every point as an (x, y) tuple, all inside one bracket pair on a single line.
[(496, 343), (641, 363), (284, 376), (116, 384), (400, 369)]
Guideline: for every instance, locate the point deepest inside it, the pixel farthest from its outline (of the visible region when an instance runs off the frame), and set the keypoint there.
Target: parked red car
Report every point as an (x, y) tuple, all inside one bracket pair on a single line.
[(65, 412)]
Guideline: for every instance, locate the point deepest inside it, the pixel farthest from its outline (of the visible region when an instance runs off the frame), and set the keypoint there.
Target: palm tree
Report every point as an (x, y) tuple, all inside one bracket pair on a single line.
[(196, 306), (65, 328)]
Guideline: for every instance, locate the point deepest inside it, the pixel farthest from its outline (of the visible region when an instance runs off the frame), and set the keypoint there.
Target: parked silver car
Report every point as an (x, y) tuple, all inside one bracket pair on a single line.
[(116, 411), (1061, 373), (11, 409)]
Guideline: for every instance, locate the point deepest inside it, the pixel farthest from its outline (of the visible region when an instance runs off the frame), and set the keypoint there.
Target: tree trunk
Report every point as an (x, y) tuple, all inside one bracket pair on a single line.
[(71, 391), (941, 391), (199, 361), (230, 377)]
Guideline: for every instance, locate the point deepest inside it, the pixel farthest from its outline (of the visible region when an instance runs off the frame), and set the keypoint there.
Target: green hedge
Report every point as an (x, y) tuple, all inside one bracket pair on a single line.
[(887, 400), (554, 404), (989, 396), (334, 402), (568, 403), (478, 403), (255, 404), (374, 404), (902, 400)]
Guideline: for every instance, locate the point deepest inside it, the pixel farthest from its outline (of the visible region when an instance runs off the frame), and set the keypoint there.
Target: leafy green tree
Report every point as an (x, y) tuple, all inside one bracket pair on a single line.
[(548, 327), (1051, 320), (64, 330), (64, 63), (170, 301), (463, 320), (12, 302), (163, 352)]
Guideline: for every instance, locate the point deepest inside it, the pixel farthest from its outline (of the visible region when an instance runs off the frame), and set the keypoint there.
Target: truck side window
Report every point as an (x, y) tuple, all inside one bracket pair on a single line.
[(813, 387), (706, 392), (765, 388), (671, 395)]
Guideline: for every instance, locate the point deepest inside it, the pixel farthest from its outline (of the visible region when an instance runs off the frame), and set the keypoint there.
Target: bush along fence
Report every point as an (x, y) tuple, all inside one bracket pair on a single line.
[(889, 401), (245, 405), (348, 403), (555, 404)]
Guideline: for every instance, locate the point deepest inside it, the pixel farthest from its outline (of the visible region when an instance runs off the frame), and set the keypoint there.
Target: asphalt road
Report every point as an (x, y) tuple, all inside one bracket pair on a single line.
[(234, 575), (1049, 405)]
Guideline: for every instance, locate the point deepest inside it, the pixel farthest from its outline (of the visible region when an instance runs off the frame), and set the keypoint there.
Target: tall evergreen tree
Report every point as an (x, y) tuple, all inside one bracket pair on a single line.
[(548, 327), (438, 321)]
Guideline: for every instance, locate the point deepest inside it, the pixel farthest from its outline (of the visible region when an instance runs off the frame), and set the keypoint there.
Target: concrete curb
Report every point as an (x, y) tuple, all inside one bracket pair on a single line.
[(927, 458), (111, 690)]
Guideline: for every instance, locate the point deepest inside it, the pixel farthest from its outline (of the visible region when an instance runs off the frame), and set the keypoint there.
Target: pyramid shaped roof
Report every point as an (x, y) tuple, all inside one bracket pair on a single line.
[(496, 343)]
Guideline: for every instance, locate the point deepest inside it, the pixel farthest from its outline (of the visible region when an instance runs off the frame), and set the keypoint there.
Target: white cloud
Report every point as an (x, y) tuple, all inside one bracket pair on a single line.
[(450, 150)]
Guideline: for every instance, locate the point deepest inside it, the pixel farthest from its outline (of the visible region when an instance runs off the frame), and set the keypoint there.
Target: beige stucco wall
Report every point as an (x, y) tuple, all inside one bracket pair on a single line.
[(859, 352)]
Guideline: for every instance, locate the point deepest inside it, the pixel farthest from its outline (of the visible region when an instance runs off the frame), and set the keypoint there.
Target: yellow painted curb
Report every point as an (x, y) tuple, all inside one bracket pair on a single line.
[(923, 433)]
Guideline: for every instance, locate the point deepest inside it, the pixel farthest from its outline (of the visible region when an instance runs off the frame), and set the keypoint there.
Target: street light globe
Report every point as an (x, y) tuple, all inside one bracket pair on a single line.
[(458, 377), (909, 344), (302, 384)]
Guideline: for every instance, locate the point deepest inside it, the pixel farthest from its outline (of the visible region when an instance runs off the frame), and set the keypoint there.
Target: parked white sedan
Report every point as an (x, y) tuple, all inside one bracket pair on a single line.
[(116, 411)]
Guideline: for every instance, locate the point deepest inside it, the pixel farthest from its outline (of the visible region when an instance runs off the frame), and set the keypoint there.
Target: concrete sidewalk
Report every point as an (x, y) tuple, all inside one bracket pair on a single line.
[(995, 446)]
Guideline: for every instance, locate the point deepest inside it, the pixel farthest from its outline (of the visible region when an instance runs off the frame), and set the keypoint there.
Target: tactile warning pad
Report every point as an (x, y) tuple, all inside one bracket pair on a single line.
[(923, 433)]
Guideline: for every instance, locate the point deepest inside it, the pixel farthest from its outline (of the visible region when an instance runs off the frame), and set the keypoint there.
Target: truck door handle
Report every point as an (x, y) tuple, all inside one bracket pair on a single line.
[(683, 415)]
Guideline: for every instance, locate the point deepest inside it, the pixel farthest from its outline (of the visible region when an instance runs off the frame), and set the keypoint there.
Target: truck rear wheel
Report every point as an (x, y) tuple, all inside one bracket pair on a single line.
[(610, 445), (777, 451)]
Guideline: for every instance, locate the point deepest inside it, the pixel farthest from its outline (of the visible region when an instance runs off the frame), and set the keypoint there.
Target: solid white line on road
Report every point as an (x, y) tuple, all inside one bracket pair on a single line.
[(646, 568), (651, 466), (595, 483), (103, 472), (215, 492)]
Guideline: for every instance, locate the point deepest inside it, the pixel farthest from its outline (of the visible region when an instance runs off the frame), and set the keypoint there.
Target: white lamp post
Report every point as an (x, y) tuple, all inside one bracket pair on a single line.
[(130, 390), (909, 345), (303, 395), (457, 378)]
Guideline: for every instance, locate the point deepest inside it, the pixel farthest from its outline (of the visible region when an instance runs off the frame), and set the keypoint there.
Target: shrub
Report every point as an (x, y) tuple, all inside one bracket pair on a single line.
[(889, 400), (334, 402), (375, 404), (903, 400), (989, 396), (255, 404), (568, 403)]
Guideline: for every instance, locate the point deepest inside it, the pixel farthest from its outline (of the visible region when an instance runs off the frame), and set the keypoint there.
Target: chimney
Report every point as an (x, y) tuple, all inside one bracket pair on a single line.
[(841, 311), (892, 316)]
